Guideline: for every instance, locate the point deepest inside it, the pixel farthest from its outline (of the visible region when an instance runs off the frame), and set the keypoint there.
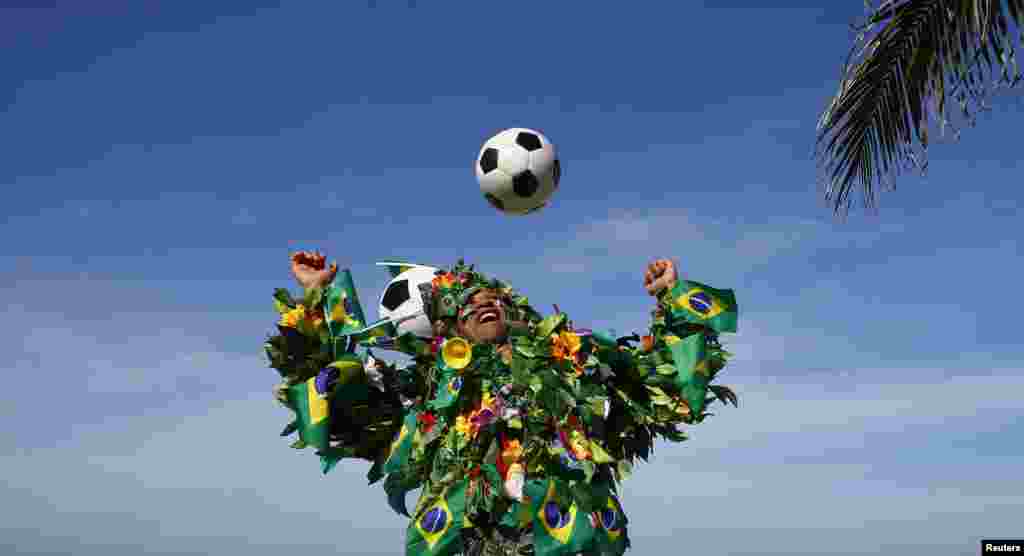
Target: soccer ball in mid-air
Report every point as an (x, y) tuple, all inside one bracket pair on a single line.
[(518, 171), (402, 298)]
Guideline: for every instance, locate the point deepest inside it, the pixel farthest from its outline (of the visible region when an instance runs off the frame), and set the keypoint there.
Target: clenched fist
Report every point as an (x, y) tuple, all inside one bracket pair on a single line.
[(660, 274), (309, 270)]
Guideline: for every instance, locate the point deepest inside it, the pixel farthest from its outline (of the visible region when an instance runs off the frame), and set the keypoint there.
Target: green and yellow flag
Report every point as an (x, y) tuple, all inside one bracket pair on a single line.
[(700, 304), (401, 446), (343, 312), (559, 529), (690, 357), (610, 533), (312, 414), (437, 529), (397, 267)]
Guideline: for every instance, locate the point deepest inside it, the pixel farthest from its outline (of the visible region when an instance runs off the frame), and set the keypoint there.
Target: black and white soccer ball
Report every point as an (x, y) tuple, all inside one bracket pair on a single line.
[(518, 171), (402, 298)]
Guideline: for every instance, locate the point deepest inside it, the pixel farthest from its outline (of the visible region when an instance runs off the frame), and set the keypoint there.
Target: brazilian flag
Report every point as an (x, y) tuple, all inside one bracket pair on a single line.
[(437, 529), (700, 304), (690, 357), (448, 387), (401, 447), (610, 534), (312, 413), (559, 528), (397, 267), (341, 306)]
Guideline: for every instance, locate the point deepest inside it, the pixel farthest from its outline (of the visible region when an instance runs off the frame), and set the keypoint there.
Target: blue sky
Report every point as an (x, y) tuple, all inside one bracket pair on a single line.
[(159, 163)]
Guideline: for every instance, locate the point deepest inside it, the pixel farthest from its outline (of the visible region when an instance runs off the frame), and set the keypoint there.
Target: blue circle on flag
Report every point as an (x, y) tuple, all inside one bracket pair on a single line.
[(554, 517), (701, 302), (610, 519), (434, 520)]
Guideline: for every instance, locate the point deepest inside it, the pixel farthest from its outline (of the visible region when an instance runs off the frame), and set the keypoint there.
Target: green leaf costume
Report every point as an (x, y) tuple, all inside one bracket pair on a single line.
[(523, 443)]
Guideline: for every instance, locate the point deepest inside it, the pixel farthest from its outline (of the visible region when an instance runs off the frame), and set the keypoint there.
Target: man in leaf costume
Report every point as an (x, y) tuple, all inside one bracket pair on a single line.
[(518, 428)]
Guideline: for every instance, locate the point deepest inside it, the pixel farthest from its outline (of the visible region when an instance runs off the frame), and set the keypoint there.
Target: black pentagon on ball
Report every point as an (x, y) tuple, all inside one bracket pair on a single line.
[(529, 141), (525, 184), (494, 201), (396, 294), (489, 160)]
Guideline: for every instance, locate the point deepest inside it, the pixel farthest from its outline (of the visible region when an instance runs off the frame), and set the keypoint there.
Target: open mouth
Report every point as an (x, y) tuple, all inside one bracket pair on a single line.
[(488, 315)]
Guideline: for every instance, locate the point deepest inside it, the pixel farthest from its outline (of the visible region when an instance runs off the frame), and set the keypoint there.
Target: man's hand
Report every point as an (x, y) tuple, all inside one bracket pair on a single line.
[(308, 269), (660, 274)]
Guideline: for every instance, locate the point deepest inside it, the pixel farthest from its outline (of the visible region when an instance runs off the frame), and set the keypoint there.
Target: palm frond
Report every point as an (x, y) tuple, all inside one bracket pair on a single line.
[(916, 55)]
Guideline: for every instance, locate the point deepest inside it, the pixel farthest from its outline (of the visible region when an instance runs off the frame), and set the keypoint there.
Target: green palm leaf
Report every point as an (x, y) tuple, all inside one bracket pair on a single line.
[(916, 55)]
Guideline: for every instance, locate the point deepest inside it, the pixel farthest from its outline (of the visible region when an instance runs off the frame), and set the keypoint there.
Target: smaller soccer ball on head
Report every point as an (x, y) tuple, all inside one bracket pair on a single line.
[(402, 298), (518, 171)]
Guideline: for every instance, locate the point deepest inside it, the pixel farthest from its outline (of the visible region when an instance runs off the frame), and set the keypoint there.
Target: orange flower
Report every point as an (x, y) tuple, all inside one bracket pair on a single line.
[(445, 280), (565, 345), (462, 426), (574, 439), (647, 343), (315, 319), (512, 451), (292, 318)]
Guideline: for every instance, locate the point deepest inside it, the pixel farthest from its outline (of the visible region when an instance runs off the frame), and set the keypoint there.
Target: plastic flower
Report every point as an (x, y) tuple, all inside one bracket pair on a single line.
[(576, 443), (670, 339), (565, 345), (456, 353), (427, 421), (315, 319), (445, 280), (485, 413), (647, 343), (515, 481), (292, 318), (480, 418), (462, 425), (512, 451)]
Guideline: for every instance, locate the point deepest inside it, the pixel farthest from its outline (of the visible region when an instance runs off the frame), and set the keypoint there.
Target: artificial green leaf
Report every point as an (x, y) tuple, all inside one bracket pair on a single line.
[(583, 496), (526, 350), (548, 325), (376, 472), (520, 370), (599, 454), (313, 297), (666, 370), (292, 427), (284, 297), (299, 444)]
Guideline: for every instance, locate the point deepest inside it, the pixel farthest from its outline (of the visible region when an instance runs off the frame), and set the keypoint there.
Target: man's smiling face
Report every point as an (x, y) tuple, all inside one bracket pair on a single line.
[(483, 321)]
